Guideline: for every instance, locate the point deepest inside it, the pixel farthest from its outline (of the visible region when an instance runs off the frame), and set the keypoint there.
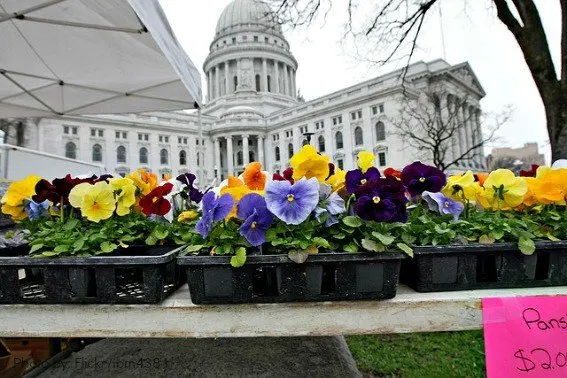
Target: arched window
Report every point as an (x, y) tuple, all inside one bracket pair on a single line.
[(321, 143), (269, 83), (339, 140), (235, 80), (380, 131), (143, 155), (239, 158), (277, 153), (358, 140), (182, 157), (305, 142), (258, 83), (290, 150), (71, 150), (251, 156), (121, 154), (163, 157), (97, 153)]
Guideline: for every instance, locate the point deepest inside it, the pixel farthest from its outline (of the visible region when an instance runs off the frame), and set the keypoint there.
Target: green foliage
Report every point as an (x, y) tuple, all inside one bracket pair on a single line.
[(239, 257)]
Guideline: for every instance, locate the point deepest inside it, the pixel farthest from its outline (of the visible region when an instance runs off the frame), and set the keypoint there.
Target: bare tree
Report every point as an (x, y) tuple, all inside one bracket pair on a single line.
[(438, 131), (393, 27)]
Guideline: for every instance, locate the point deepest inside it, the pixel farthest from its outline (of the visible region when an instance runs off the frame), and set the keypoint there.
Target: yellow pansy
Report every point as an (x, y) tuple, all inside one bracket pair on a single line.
[(462, 187), (503, 190), (144, 181), (77, 194), (365, 160), (17, 193), (237, 190), (125, 192), (552, 185), (308, 163), (98, 202), (337, 180), (187, 215)]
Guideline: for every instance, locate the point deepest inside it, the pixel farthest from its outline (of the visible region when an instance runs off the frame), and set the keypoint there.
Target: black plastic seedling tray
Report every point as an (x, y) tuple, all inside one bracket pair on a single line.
[(479, 266), (138, 274), (275, 278)]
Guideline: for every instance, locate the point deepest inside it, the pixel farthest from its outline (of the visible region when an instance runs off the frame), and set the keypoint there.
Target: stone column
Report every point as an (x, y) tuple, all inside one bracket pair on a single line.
[(283, 153), (209, 85), (264, 75), (285, 80), (238, 74), (466, 121), (229, 156), (217, 164), (217, 81), (226, 78), (478, 129), (276, 77), (261, 150), (471, 128), (460, 128), (293, 89), (245, 150)]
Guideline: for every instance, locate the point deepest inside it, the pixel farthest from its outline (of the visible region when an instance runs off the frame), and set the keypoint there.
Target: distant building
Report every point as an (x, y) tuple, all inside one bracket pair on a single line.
[(254, 112), (515, 158)]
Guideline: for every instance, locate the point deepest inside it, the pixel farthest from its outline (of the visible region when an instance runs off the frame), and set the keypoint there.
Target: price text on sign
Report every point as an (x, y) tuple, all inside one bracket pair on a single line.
[(525, 336)]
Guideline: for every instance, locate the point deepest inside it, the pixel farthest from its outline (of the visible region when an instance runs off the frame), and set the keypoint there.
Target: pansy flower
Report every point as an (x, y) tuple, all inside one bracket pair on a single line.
[(253, 176), (257, 218), (18, 192), (419, 177), (330, 205), (438, 202), (58, 190), (98, 202), (392, 172), (529, 172), (214, 209), (144, 181), (309, 163), (36, 210), (236, 188), (356, 178), (125, 192), (287, 175), (503, 190), (365, 160), (292, 203), (155, 202), (462, 187), (337, 180), (191, 192), (382, 200)]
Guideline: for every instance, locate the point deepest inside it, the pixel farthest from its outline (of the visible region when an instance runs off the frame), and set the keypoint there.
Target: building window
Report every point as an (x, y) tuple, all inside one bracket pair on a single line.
[(380, 131), (303, 129), (71, 150), (305, 142), (269, 83), (358, 139), (93, 132), (233, 40), (100, 132), (97, 153), (146, 137), (290, 150), (321, 143), (374, 110), (161, 138), (319, 125), (163, 157), (65, 129), (239, 158), (121, 154), (266, 40), (140, 136), (340, 163), (182, 157), (381, 108), (184, 140), (382, 159), (251, 156), (235, 82), (74, 129), (339, 140), (143, 155), (277, 153), (356, 115), (255, 38), (258, 83), (337, 120), (117, 134)]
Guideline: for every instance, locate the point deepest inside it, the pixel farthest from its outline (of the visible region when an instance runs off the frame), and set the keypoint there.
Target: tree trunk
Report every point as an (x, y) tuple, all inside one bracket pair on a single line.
[(556, 117)]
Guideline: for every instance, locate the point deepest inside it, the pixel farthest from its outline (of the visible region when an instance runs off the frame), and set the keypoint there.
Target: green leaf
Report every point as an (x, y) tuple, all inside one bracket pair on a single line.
[(61, 248), (194, 248), (408, 239), (151, 240), (384, 239), (405, 248), (78, 244), (49, 254), (320, 242), (485, 239), (160, 233), (497, 234), (298, 256), (371, 245), (527, 246), (71, 224), (339, 236), (107, 247), (35, 248), (552, 238), (352, 221), (351, 247), (239, 258)]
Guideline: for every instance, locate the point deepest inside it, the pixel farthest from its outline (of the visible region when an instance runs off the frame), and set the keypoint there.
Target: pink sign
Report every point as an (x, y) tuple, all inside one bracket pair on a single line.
[(525, 336)]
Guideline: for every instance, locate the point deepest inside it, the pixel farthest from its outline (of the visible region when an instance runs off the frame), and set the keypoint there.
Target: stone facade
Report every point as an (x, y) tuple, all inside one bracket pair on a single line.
[(253, 112)]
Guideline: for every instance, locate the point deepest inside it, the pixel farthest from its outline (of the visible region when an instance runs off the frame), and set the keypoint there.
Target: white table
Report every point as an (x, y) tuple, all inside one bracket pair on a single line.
[(177, 316)]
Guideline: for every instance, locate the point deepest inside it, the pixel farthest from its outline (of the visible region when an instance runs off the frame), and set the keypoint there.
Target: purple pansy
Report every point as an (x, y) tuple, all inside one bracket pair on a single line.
[(256, 216), (214, 210), (191, 192), (381, 200), (443, 205), (35, 210), (330, 204), (292, 203), (356, 178), (419, 177)]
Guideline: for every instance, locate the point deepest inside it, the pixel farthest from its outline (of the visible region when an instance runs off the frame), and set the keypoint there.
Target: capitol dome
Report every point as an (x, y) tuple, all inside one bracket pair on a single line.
[(247, 14)]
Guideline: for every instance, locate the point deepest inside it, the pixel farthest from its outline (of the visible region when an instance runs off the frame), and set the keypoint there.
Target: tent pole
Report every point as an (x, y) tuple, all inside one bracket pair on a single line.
[(200, 150)]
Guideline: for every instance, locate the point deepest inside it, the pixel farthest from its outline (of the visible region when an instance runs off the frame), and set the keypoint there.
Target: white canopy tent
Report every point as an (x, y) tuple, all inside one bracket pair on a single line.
[(68, 57)]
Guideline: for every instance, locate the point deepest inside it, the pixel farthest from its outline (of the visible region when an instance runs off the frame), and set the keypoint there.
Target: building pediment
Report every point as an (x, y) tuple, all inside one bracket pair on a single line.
[(465, 73)]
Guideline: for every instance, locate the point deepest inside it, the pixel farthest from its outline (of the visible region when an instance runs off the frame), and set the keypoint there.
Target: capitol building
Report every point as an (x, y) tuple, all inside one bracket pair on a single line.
[(253, 113)]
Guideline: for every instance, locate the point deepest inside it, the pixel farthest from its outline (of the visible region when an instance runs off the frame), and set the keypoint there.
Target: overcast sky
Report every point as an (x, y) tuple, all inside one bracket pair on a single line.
[(472, 34)]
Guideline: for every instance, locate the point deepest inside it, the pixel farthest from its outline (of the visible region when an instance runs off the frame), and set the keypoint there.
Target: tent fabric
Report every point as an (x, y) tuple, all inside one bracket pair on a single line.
[(91, 57)]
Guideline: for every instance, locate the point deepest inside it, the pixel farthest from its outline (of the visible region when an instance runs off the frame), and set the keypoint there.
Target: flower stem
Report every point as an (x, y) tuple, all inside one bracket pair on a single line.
[(61, 213)]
